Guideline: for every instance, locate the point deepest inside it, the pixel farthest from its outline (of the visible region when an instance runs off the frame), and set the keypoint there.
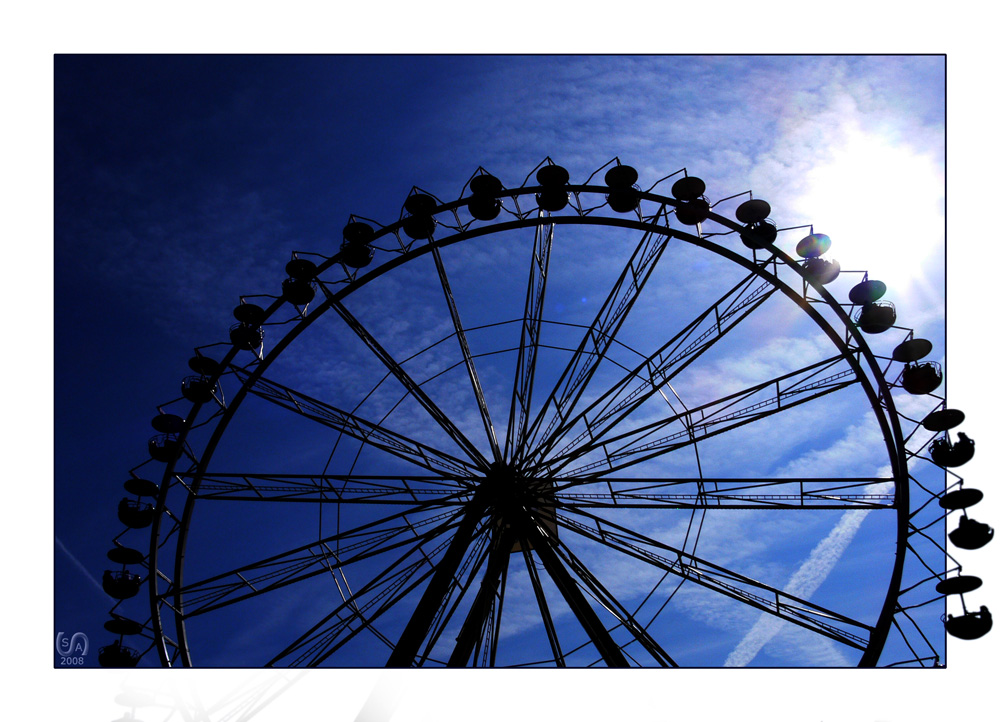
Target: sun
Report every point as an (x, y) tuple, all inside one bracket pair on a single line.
[(882, 204)]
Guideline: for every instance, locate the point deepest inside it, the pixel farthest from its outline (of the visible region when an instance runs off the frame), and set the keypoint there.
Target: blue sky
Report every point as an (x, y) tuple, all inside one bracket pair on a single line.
[(182, 183)]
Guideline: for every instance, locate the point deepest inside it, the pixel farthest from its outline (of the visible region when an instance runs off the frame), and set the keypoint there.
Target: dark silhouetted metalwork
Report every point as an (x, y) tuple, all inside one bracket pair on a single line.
[(423, 565)]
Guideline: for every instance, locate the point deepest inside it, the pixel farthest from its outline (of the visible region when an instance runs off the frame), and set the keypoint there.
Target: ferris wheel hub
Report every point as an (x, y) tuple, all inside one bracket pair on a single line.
[(516, 501)]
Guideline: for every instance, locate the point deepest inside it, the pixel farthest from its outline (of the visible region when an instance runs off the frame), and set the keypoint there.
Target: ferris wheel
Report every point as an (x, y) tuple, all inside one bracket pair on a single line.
[(555, 424)]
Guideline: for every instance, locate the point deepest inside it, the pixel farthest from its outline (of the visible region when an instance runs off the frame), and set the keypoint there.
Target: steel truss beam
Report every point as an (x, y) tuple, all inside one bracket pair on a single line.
[(490, 591), (336, 489), (721, 493), (477, 387), (358, 427), (527, 352), (567, 585), (706, 493), (437, 588), (309, 560), (724, 581), (543, 608), (598, 338), (607, 600), (659, 368), (710, 419), (409, 384), (324, 638)]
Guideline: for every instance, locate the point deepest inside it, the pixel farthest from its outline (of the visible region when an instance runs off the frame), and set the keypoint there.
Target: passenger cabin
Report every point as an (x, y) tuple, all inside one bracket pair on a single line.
[(944, 453), (624, 195), (121, 584), (552, 179), (693, 207), (419, 223), (356, 250), (821, 270), (921, 378), (298, 291), (971, 534), (356, 256), (135, 514), (876, 317), (759, 234), (117, 655), (971, 625), (245, 336), (198, 389), (164, 447), (484, 204)]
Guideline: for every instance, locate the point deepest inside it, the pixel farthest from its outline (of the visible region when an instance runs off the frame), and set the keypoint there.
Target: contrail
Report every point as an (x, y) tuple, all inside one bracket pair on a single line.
[(805, 581), (83, 569)]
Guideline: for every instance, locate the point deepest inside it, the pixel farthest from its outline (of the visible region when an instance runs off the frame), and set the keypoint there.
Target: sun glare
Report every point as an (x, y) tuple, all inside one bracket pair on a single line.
[(882, 204)]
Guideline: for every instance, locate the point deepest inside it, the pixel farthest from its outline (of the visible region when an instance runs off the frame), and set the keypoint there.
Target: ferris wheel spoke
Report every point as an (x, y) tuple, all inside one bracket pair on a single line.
[(596, 342), (439, 587), (446, 424), (477, 387), (543, 608), (606, 599), (492, 638), (716, 417), (488, 598), (359, 428), (363, 607), (527, 352), (336, 489), (462, 582), (782, 494), (543, 545), (309, 560), (719, 579), (656, 371)]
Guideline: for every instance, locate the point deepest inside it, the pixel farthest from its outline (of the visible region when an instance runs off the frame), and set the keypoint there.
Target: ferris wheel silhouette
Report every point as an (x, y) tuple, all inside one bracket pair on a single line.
[(516, 483)]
